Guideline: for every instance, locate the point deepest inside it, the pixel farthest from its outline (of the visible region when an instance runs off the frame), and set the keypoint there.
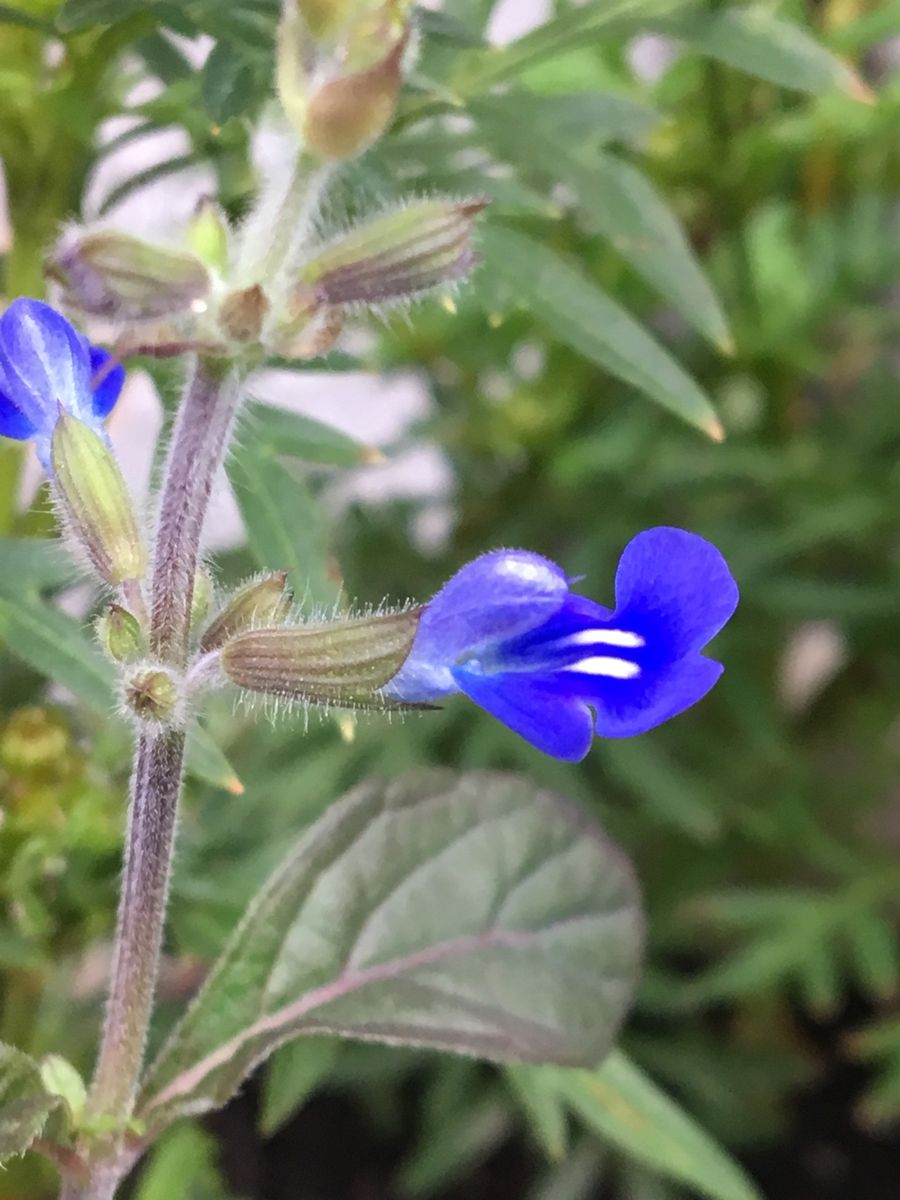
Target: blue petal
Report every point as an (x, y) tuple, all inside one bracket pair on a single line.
[(555, 723), (44, 364), (675, 588), (493, 598), (13, 422), (626, 707), (107, 392)]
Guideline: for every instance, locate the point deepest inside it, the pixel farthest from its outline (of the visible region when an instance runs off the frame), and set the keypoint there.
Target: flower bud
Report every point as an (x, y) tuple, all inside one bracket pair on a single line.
[(243, 312), (344, 663), (399, 254), (348, 114), (340, 67), (208, 235), (152, 693), (118, 276), (121, 635), (261, 602), (94, 500)]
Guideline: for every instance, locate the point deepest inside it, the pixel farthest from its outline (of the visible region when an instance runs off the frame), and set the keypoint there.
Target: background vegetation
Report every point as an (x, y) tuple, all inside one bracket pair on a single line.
[(712, 252)]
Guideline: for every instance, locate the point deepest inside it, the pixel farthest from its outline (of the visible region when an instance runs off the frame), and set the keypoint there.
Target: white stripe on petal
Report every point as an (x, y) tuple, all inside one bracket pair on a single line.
[(605, 637), (615, 668)]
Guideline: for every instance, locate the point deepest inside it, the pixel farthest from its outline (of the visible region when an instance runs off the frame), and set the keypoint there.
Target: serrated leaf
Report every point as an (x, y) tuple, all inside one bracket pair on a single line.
[(518, 269), (754, 40), (618, 202), (472, 913), (284, 525), (626, 1108), (25, 1104), (294, 1072), (302, 437)]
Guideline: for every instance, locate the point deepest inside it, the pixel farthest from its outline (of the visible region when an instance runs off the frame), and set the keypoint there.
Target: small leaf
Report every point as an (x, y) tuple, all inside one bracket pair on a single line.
[(299, 436), (25, 1104), (284, 525), (294, 1072), (472, 913), (520, 269), (627, 1109), (206, 761)]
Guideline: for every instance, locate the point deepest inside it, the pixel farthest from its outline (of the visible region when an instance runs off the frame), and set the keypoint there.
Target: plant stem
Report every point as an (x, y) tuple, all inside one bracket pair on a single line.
[(198, 447)]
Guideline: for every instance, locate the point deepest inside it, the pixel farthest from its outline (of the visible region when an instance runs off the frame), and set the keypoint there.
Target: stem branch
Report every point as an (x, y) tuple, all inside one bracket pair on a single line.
[(198, 447)]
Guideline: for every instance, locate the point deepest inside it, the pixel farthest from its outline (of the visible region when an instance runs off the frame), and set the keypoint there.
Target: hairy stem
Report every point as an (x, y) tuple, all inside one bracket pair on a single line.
[(198, 447)]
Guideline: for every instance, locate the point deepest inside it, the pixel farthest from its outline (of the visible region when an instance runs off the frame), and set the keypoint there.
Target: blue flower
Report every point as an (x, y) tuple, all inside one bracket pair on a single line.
[(46, 366), (558, 668)]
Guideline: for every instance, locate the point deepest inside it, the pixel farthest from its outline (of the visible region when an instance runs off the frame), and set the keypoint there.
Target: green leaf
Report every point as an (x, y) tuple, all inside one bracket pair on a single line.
[(754, 40), (56, 646), (12, 16), (183, 1164), (227, 83), (284, 525), (476, 71), (298, 436), (473, 913), (618, 202), (34, 563), (521, 270), (543, 1107), (206, 761), (84, 14), (627, 1109), (585, 117), (25, 1104), (296, 1070)]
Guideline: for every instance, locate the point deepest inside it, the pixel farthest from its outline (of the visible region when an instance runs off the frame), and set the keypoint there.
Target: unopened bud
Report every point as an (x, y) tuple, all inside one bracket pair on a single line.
[(342, 664), (121, 635), (152, 693), (95, 502), (260, 602), (348, 114), (400, 254), (118, 276), (340, 67), (243, 312), (208, 235)]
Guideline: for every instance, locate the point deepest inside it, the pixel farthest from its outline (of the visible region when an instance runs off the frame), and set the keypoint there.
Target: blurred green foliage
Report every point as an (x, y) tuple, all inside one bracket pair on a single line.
[(722, 241)]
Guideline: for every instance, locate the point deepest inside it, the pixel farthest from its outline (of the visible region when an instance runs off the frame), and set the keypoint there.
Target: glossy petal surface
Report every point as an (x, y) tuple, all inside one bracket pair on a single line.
[(557, 667)]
